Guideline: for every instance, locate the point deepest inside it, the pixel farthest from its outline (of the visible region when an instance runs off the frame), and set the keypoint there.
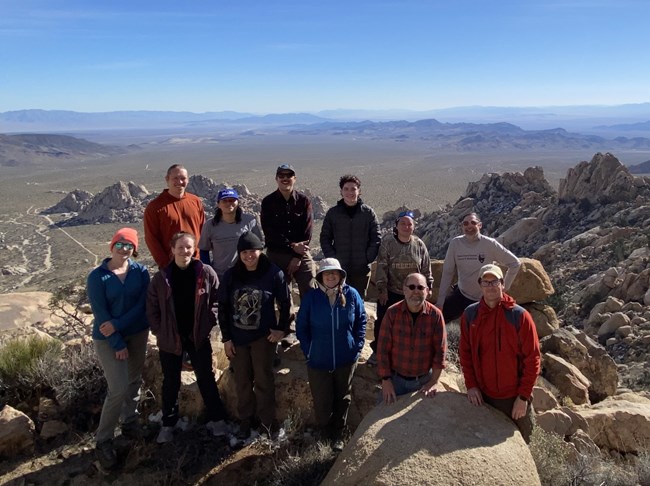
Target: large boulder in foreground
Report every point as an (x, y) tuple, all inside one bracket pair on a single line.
[(444, 440)]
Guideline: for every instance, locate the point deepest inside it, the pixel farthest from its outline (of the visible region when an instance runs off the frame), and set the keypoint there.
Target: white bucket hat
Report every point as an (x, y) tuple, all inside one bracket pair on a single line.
[(329, 264)]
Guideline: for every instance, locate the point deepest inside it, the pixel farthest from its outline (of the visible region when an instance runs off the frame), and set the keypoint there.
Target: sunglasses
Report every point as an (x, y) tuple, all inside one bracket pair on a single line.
[(413, 287), (490, 283), (473, 223), (285, 175), (127, 246), (406, 213)]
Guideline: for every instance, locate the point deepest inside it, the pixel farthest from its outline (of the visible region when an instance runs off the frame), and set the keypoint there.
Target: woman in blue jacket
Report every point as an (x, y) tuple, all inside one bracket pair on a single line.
[(117, 290), (331, 328)]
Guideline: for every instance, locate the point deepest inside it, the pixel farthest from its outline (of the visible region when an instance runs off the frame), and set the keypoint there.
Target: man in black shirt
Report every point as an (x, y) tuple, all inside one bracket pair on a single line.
[(287, 218)]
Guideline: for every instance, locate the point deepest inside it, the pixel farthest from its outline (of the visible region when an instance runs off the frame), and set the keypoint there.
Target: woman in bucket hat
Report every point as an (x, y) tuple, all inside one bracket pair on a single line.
[(331, 328)]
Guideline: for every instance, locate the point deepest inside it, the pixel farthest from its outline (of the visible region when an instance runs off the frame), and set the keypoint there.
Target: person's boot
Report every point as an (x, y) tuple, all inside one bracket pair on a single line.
[(106, 455)]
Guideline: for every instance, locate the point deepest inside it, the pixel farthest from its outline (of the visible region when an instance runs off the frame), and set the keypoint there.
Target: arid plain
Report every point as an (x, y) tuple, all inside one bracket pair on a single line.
[(37, 255)]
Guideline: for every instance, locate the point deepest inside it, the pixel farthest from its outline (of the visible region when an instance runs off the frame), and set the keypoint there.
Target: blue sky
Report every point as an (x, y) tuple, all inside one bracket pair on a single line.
[(303, 55)]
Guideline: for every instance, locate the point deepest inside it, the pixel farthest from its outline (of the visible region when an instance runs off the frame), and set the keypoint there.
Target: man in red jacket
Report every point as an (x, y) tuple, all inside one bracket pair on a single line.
[(499, 351)]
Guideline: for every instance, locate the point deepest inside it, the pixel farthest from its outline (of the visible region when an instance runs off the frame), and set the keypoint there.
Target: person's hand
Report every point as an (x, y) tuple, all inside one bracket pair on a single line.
[(382, 298), (519, 408), (122, 354), (301, 248), (388, 391), (229, 348), (475, 396), (294, 264), (107, 328), (275, 336), (430, 388)]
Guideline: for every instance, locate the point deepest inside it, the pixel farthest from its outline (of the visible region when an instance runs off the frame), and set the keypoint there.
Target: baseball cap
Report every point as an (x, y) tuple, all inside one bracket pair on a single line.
[(285, 168), (228, 192), (492, 269)]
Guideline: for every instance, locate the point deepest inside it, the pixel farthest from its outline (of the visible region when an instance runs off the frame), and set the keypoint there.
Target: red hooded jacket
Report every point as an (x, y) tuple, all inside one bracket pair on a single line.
[(499, 349)]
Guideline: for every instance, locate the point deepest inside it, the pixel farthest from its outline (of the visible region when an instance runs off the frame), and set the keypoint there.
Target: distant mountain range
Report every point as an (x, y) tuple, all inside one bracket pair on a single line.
[(642, 168), (34, 149), (630, 119)]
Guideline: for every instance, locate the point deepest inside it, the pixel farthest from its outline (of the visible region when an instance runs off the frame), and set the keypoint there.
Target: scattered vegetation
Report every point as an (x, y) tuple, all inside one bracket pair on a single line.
[(559, 464), (21, 361), (305, 467), (77, 381)]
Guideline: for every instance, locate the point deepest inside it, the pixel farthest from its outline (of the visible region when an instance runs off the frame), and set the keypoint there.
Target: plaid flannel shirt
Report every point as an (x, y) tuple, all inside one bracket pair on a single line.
[(411, 348)]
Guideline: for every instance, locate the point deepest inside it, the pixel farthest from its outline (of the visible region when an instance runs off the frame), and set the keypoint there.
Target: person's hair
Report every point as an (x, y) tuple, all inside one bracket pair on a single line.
[(135, 253), (175, 166), (218, 214), (395, 232), (179, 235), (349, 178), (416, 274), (471, 214)]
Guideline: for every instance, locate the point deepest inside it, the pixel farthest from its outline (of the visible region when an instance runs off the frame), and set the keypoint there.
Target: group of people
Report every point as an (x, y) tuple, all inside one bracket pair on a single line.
[(216, 272)]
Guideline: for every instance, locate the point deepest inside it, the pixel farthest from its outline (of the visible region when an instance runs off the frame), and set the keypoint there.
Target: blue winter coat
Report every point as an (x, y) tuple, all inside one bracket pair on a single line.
[(122, 303), (331, 336)]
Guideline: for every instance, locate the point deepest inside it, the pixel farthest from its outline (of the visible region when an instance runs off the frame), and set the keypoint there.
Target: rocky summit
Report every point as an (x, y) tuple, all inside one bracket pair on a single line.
[(585, 278)]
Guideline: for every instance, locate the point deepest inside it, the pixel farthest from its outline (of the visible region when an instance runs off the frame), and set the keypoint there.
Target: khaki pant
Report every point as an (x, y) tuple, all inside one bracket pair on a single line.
[(332, 394), (255, 381), (124, 378)]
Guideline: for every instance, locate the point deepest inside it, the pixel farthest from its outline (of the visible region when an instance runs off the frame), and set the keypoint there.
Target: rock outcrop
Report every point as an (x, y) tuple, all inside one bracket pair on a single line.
[(441, 440), (73, 202), (16, 432)]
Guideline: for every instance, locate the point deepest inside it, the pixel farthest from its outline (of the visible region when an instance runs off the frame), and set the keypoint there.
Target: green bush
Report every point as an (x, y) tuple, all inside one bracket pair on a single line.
[(20, 362)]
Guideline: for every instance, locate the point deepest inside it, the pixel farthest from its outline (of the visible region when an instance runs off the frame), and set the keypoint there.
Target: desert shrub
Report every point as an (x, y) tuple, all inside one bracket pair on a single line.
[(559, 464), (551, 455), (303, 468), (453, 342), (68, 303), (560, 299), (643, 467), (77, 380), (20, 366)]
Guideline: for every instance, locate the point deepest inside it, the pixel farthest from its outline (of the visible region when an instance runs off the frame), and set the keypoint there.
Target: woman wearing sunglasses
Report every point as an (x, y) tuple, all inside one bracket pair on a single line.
[(117, 290), (400, 254)]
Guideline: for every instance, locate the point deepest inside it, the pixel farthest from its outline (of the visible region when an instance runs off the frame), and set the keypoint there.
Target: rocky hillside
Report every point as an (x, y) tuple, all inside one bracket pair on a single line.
[(592, 236), (34, 149)]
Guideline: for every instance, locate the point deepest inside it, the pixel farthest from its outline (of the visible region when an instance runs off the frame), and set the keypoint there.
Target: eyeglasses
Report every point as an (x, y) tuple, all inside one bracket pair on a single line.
[(490, 283), (127, 246), (228, 200), (413, 287), (473, 223)]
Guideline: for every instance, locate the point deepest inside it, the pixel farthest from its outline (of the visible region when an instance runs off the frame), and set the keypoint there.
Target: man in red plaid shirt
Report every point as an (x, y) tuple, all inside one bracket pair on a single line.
[(412, 347)]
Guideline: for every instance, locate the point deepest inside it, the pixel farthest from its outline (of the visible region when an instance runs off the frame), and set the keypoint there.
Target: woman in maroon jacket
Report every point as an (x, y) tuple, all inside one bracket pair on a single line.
[(182, 310)]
